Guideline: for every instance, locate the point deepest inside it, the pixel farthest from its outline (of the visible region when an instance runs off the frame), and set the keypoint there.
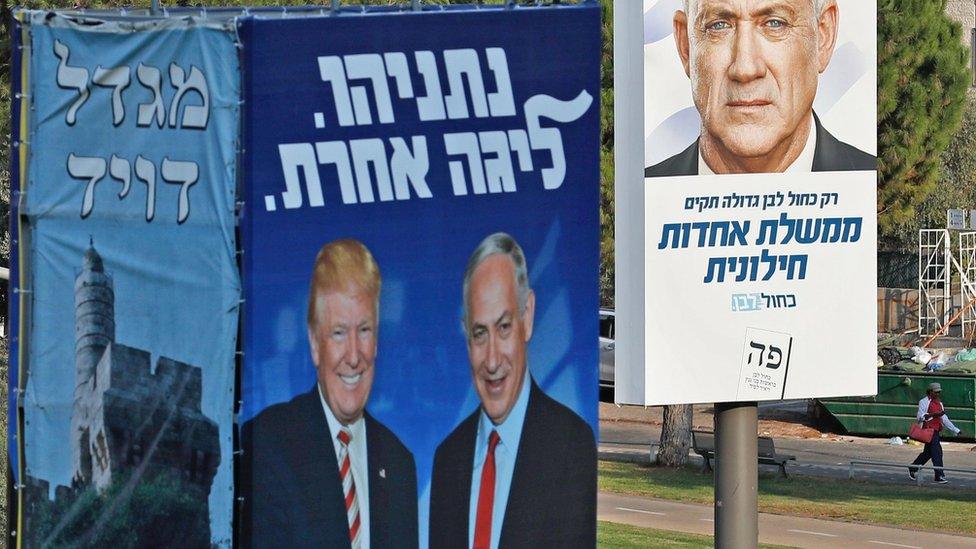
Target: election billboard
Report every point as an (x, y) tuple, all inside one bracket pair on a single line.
[(420, 233), (127, 280), (746, 200)]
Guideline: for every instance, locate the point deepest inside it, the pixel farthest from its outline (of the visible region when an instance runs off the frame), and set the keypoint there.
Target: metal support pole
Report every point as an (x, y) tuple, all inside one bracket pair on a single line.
[(736, 475)]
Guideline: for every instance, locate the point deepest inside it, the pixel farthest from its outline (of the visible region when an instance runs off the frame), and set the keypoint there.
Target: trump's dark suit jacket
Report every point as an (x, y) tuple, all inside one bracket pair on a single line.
[(831, 155), (290, 481), (552, 502)]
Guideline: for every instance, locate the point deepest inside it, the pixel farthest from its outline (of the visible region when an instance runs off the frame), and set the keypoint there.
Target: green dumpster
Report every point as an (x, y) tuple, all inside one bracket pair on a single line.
[(891, 412)]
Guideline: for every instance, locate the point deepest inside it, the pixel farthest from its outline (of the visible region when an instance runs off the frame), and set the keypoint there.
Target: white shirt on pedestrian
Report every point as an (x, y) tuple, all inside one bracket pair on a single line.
[(923, 408)]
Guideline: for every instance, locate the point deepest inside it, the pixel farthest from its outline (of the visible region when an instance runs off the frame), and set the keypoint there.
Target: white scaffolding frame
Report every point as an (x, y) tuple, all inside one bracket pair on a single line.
[(934, 280), (967, 266)]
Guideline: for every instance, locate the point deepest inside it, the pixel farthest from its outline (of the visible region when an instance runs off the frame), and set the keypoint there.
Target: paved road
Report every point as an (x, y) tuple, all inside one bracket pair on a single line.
[(628, 440), (775, 529)]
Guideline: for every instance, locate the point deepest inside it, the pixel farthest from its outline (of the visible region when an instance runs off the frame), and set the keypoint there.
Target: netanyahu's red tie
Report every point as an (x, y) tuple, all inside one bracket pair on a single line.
[(486, 497), (349, 487)]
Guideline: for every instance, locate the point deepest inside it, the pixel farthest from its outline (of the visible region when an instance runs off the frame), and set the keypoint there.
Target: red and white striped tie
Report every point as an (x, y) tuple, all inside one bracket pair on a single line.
[(349, 487)]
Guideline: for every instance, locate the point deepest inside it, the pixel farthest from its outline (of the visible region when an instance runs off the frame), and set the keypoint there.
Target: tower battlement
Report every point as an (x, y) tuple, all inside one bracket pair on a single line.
[(129, 412), (127, 369)]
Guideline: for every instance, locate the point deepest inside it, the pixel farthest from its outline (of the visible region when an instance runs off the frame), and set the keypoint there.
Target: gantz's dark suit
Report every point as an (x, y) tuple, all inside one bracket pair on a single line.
[(290, 481), (552, 502), (831, 155)]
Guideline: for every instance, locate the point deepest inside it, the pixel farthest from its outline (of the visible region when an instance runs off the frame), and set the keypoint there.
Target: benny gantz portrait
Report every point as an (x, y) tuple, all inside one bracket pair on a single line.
[(521, 470), (319, 470), (754, 67)]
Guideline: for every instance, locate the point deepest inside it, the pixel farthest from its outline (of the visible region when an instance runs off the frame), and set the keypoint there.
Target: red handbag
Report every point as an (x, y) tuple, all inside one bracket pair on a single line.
[(921, 434)]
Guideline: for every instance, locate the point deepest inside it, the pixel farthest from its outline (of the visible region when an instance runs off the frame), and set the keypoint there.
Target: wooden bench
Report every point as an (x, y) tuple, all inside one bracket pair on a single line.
[(703, 442)]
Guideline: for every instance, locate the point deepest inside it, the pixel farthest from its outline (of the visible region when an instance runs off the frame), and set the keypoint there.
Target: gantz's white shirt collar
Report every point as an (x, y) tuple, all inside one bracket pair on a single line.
[(802, 164)]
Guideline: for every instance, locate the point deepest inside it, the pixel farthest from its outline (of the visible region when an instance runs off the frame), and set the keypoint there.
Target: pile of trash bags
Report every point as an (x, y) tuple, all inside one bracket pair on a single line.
[(917, 359)]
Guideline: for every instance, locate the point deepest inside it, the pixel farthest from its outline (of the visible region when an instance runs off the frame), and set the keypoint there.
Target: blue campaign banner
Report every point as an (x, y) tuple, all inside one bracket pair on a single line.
[(403, 141), (128, 240)]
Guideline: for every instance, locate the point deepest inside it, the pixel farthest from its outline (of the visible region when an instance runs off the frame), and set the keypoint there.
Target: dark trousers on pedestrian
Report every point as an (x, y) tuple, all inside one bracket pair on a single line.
[(933, 451)]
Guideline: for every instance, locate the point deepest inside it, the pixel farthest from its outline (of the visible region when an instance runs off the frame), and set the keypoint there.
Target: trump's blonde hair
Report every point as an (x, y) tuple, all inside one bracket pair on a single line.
[(344, 265)]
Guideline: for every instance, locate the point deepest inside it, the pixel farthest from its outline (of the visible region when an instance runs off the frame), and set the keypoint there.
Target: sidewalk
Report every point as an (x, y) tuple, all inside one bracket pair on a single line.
[(626, 434), (774, 529)]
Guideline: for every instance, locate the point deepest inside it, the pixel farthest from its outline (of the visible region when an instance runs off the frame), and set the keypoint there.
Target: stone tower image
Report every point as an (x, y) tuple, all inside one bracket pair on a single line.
[(130, 418), (94, 332)]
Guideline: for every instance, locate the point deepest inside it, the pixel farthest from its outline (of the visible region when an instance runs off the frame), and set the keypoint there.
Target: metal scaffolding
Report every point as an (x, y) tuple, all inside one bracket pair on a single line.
[(934, 276), (967, 267)]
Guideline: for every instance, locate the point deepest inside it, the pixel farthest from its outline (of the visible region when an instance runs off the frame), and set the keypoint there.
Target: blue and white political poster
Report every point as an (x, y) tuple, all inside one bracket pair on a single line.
[(129, 261), (420, 235), (746, 200)]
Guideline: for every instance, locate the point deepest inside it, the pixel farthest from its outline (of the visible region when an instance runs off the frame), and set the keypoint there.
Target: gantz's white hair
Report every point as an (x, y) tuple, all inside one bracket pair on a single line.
[(818, 6)]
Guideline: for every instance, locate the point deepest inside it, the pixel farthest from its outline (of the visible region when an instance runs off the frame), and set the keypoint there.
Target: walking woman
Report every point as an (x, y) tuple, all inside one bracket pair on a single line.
[(932, 415)]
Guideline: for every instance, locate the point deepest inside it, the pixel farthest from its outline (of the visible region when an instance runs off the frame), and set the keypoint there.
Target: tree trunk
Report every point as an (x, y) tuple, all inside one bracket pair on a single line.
[(675, 436)]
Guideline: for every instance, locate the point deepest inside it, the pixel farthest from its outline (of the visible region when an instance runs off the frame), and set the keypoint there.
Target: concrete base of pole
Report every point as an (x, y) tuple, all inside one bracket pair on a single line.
[(736, 476)]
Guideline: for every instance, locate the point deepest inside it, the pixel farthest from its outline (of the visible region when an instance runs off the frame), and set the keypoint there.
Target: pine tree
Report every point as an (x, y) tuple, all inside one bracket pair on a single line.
[(923, 77)]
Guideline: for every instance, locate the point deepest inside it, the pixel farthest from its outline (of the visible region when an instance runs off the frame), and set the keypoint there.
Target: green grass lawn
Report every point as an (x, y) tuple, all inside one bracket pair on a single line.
[(945, 509), (611, 535)]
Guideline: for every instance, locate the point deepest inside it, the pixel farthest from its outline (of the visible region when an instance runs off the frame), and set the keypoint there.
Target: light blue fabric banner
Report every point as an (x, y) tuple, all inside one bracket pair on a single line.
[(130, 214)]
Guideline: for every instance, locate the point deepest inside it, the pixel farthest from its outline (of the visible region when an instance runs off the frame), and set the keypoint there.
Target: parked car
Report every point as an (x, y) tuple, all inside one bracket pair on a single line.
[(606, 347)]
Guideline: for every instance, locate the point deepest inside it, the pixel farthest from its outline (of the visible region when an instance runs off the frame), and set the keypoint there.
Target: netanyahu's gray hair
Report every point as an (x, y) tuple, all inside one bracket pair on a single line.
[(818, 6), (498, 243)]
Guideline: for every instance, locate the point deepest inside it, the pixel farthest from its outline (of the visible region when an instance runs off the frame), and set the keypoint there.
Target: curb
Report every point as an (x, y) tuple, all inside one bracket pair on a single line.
[(642, 455)]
